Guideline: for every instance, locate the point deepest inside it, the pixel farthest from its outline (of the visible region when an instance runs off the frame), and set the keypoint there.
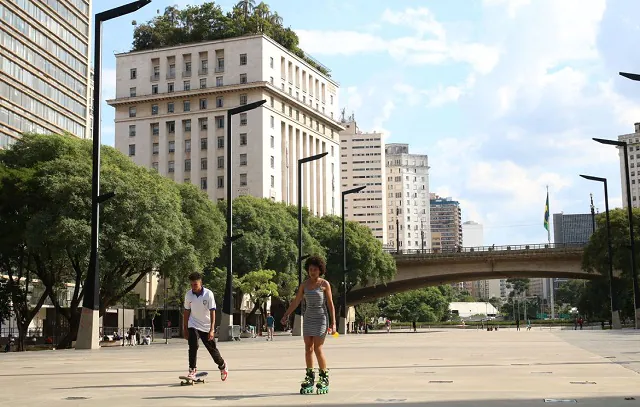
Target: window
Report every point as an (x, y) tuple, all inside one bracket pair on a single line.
[(172, 71), (170, 107), (132, 130), (187, 85), (203, 104), (132, 92), (172, 166), (203, 143), (155, 129), (243, 59), (243, 139), (187, 180), (220, 142), (187, 67), (203, 163), (187, 165), (243, 160), (203, 183), (331, 151), (204, 67), (243, 180), (271, 62), (271, 80), (220, 122), (154, 109), (273, 181), (132, 111), (170, 87), (220, 182), (272, 101), (243, 78), (187, 146), (243, 119), (220, 67), (156, 148), (154, 89), (273, 122), (154, 165), (273, 162), (220, 161), (220, 101), (156, 73), (133, 73), (243, 99), (171, 127), (297, 115), (172, 146), (186, 105), (219, 81), (203, 83), (187, 125), (331, 98), (273, 142), (204, 123)]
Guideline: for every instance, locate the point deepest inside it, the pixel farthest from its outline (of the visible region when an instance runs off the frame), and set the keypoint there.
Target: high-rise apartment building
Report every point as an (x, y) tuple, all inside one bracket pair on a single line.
[(408, 210), (633, 172), (446, 220), (44, 68), (473, 236), (363, 163), (171, 115), (571, 229)]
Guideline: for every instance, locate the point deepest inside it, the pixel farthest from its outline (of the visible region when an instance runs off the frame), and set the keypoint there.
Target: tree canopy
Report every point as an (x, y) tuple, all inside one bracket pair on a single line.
[(207, 22), (423, 305)]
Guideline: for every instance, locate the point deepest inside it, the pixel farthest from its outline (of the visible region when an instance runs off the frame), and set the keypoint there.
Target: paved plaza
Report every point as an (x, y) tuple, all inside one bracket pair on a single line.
[(445, 367)]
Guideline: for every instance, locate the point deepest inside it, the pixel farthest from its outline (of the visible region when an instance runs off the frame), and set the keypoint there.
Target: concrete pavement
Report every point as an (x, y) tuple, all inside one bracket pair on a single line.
[(435, 368)]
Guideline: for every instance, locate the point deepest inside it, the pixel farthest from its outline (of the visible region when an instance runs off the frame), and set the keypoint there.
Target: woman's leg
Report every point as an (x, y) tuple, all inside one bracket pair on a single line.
[(308, 351), (318, 341)]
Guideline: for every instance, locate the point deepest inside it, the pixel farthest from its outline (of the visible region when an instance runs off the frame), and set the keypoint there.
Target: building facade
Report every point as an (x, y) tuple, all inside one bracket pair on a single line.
[(446, 219), (633, 172), (171, 107), (44, 68), (363, 163), (570, 229), (408, 211)]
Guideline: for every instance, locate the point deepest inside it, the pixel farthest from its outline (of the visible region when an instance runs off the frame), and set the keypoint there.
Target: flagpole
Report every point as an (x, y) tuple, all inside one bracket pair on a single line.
[(551, 287)]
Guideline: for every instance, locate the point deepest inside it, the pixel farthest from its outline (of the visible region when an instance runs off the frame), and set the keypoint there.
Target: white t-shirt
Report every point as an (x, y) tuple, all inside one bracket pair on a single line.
[(200, 305)]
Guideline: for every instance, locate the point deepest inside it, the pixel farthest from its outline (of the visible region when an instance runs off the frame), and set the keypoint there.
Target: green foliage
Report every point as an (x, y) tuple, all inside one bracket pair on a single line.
[(260, 285), (519, 285), (366, 311), (207, 22), (423, 305), (5, 300)]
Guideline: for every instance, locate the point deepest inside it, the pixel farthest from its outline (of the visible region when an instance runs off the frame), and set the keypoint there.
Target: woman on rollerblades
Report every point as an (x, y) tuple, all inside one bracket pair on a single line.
[(316, 292)]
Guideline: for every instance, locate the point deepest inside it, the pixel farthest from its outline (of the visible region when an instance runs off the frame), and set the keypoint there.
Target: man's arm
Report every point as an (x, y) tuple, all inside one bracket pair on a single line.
[(212, 313), (185, 326)]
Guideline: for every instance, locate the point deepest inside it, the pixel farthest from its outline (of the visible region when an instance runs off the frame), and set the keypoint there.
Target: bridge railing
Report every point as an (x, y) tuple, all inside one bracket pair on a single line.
[(493, 248)]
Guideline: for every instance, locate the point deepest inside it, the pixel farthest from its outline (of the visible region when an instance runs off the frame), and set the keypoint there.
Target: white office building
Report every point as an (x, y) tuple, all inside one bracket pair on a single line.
[(363, 163), (633, 172), (171, 106), (408, 205)]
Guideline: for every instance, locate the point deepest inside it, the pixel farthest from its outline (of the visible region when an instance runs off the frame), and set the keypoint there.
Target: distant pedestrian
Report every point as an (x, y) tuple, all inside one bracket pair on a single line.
[(270, 321), (518, 324), (528, 324)]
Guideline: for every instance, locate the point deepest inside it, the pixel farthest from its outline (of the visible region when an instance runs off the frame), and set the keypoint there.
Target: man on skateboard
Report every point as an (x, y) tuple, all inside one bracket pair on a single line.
[(199, 322)]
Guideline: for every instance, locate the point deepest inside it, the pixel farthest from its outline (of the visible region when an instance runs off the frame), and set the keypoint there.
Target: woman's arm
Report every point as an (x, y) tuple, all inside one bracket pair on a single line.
[(294, 304), (329, 296)]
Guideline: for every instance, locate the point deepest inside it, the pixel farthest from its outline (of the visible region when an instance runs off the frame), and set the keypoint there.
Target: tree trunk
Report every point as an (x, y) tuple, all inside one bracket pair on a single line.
[(73, 317)]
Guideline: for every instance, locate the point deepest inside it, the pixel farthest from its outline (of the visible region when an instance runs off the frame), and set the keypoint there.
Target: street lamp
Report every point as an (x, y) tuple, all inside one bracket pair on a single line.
[(342, 329), (227, 305), (88, 332), (615, 312), (634, 275), (297, 322)]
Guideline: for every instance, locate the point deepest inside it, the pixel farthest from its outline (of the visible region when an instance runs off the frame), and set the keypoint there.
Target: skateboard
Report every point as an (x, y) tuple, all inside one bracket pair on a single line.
[(187, 381)]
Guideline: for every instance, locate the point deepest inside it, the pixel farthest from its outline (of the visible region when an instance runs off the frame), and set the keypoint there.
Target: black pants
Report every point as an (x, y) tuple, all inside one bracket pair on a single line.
[(210, 345)]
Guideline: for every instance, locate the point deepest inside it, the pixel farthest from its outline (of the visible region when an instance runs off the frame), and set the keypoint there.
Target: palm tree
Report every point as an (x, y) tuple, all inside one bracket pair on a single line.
[(247, 6), (262, 15), (275, 19)]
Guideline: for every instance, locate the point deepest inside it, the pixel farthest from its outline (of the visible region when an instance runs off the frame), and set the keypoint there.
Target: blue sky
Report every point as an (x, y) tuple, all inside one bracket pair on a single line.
[(503, 95)]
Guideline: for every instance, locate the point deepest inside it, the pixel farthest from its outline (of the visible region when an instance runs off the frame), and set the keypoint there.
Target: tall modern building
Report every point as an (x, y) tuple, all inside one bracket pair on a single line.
[(633, 172), (44, 68), (171, 115), (473, 236), (446, 221), (363, 163), (570, 229), (408, 213)]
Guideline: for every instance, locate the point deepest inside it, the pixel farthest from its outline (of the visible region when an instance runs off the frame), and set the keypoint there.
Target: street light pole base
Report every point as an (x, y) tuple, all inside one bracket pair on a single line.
[(89, 330), (615, 320), (342, 326), (226, 324), (297, 326)]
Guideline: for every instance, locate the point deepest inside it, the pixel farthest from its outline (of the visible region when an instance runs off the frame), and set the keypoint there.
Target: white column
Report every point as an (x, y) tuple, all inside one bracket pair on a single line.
[(311, 187)]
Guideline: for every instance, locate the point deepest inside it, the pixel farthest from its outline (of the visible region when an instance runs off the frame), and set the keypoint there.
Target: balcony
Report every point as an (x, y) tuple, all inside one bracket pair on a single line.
[(203, 71), (219, 69), (155, 77), (186, 74), (171, 75)]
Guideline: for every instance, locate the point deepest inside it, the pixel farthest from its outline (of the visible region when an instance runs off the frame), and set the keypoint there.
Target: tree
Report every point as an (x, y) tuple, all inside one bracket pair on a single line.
[(260, 286), (496, 302), (423, 305), (569, 292), (5, 301), (519, 285), (367, 310)]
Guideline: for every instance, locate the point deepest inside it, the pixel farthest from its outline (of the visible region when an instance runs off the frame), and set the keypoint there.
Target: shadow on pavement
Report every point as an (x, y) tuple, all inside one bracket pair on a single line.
[(221, 398)]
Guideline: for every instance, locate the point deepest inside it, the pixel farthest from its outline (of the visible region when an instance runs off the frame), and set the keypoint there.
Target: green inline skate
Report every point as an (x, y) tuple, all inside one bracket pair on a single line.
[(307, 384), (323, 382)]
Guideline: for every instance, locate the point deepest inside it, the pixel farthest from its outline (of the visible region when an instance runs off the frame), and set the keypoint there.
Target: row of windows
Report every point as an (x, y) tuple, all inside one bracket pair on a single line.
[(69, 16), (186, 85), (186, 106), (42, 87), (36, 12), (34, 58), (311, 81), (5, 141), (304, 116), (203, 161), (18, 122), (220, 180), (43, 41), (81, 5), (41, 110)]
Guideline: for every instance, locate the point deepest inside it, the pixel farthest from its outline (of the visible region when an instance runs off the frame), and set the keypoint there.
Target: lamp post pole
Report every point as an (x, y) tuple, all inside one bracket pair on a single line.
[(342, 327), (226, 322), (615, 312), (634, 274), (89, 330), (297, 322)]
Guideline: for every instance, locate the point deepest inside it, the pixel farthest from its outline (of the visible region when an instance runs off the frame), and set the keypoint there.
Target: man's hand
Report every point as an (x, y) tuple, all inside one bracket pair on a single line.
[(284, 320), (211, 334)]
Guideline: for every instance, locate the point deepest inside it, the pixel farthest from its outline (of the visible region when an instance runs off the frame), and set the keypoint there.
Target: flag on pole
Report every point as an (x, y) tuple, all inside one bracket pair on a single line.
[(546, 216)]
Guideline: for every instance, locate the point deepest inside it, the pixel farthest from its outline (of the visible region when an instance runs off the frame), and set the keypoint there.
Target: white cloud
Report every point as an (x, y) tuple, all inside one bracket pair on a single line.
[(512, 6)]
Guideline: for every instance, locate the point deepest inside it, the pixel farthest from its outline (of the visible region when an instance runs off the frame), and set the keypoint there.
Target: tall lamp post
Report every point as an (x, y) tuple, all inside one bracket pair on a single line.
[(226, 323), (297, 322), (88, 331), (615, 312), (634, 274), (342, 327)]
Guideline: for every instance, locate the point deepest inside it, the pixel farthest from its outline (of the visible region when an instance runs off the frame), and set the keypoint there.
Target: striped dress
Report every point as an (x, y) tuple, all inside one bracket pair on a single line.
[(315, 313)]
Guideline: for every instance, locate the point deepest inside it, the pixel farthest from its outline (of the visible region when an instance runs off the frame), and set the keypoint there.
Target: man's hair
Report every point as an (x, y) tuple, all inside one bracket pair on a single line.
[(318, 262), (195, 276)]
